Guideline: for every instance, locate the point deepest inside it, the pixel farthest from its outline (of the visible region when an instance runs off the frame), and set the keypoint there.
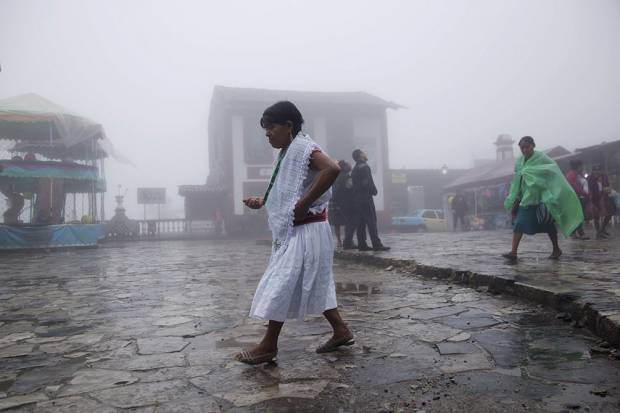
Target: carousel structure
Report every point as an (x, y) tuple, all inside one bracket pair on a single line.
[(52, 164)]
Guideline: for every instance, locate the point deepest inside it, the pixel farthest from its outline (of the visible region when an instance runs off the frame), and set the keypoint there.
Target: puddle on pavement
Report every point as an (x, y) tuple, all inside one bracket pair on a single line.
[(357, 289), (553, 358)]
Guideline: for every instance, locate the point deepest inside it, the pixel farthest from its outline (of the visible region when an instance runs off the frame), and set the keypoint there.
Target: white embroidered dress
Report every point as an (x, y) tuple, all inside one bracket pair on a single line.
[(298, 280)]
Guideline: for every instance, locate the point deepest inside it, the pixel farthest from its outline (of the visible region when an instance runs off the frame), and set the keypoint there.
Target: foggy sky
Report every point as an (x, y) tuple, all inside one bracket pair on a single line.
[(466, 71)]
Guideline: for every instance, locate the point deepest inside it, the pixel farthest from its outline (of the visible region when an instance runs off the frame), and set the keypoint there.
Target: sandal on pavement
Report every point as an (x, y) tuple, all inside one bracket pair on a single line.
[(333, 345), (247, 358), (510, 256)]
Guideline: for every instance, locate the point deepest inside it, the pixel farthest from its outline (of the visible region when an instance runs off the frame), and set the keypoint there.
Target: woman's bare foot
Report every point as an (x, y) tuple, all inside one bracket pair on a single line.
[(556, 254)]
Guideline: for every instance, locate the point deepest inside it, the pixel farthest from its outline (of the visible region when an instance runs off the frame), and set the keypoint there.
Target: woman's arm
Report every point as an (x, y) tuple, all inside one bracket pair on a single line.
[(328, 172)]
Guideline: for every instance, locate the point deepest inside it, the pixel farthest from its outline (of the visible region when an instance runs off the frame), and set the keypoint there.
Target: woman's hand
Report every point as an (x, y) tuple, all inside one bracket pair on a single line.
[(301, 211), (254, 203)]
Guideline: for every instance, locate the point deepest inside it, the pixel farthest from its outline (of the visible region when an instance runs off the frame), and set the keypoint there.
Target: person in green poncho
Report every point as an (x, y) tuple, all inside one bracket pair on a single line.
[(540, 199)]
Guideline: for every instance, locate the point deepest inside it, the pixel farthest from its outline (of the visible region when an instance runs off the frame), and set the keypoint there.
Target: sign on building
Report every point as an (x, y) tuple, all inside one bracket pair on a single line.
[(399, 178), (151, 196)]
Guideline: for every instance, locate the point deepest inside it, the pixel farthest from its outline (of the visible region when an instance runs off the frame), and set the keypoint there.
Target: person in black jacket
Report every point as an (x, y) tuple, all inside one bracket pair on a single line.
[(364, 214)]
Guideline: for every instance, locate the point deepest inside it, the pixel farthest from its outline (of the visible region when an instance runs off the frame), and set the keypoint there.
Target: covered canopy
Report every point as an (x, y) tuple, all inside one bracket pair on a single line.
[(24, 176), (45, 127)]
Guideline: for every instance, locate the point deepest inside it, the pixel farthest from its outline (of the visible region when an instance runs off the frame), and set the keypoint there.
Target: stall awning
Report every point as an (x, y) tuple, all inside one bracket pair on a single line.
[(24, 175)]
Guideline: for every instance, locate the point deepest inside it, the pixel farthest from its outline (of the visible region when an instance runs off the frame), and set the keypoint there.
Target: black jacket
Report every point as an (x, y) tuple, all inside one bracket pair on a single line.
[(363, 185)]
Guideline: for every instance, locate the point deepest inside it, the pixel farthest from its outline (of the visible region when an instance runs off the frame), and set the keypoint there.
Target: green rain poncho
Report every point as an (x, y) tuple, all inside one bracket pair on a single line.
[(542, 181)]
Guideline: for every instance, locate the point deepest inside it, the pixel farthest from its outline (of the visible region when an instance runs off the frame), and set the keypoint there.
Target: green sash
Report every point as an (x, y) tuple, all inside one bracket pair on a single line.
[(274, 175)]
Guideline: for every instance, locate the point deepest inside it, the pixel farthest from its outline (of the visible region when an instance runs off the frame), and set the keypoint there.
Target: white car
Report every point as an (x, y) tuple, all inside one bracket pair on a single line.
[(421, 220)]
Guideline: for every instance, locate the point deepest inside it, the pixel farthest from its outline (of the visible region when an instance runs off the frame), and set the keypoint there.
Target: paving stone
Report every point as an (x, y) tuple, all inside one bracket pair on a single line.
[(466, 323), (430, 332), (145, 394), (183, 330), (172, 373), (465, 362), (38, 378), (88, 380), (14, 337), (305, 390), (44, 340), (465, 297), (306, 368), (17, 327), (109, 345), (16, 401), (154, 361), (456, 348), (7, 379), (73, 404), (202, 404), (161, 345), (416, 313), (16, 350), (171, 321), (507, 346), (460, 337)]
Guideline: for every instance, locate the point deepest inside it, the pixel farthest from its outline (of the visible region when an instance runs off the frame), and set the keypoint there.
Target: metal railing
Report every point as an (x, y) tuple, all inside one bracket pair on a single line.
[(175, 228)]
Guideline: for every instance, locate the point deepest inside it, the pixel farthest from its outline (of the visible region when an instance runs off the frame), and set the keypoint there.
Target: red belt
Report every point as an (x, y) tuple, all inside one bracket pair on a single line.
[(310, 218)]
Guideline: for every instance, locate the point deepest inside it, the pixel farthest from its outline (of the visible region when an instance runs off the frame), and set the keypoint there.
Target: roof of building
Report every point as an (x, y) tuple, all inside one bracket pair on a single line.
[(501, 170), (237, 94)]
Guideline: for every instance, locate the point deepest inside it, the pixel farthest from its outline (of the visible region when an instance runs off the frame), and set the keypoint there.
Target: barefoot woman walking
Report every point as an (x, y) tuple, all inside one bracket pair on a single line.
[(298, 280)]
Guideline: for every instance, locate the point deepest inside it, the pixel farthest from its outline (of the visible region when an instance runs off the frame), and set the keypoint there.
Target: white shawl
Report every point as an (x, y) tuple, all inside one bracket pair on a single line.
[(287, 190)]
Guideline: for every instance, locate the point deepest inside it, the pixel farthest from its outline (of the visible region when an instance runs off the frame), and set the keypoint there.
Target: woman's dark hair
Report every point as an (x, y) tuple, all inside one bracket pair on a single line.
[(527, 139), (281, 113), (575, 163)]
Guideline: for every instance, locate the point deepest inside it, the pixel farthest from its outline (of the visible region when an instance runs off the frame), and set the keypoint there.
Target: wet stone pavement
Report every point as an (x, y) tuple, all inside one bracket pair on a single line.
[(585, 281), (589, 267), (151, 327)]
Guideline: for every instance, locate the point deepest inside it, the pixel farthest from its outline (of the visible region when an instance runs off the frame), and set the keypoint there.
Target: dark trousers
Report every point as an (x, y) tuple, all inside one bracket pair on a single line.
[(456, 217), (350, 227), (364, 216)]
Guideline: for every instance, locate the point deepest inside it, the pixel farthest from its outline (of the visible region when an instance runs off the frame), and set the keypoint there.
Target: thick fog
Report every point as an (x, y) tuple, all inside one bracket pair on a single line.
[(466, 71)]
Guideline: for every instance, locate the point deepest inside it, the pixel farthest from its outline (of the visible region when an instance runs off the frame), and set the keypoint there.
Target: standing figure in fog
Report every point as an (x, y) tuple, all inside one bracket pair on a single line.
[(604, 206), (341, 204), (539, 198), (459, 209), (365, 214), (579, 183), (298, 280)]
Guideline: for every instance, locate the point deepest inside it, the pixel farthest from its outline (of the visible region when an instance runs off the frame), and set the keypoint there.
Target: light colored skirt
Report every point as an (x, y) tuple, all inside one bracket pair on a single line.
[(300, 281)]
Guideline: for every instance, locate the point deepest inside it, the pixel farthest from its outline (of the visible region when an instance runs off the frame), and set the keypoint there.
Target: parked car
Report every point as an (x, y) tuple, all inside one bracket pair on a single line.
[(421, 220)]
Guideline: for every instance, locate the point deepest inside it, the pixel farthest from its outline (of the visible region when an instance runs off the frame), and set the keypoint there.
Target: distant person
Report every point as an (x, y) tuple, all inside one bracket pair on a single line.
[(540, 198), (603, 204), (298, 280), (15, 204), (459, 209), (365, 214), (341, 205), (579, 183)]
